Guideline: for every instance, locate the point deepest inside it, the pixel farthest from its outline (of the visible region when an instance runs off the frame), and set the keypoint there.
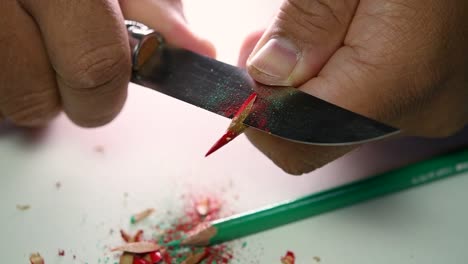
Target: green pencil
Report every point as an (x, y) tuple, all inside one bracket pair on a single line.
[(252, 222)]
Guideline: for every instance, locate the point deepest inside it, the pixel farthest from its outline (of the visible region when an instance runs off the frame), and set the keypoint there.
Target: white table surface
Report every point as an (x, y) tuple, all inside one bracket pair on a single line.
[(147, 155)]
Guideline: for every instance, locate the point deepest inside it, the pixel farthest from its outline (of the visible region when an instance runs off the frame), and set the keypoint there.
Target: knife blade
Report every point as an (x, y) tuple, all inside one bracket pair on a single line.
[(222, 88)]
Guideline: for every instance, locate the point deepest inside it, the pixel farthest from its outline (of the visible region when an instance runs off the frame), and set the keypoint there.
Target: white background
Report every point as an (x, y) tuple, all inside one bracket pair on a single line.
[(154, 152)]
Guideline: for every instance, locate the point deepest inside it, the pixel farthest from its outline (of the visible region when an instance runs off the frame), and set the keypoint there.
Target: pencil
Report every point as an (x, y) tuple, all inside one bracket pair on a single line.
[(245, 224), (236, 127)]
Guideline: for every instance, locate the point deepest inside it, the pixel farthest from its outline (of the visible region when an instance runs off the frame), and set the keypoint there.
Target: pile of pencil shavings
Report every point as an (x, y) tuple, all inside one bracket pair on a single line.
[(198, 212), (147, 252), (143, 252)]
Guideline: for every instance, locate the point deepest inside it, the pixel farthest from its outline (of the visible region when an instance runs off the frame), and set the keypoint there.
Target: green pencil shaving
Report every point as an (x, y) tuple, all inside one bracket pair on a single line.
[(245, 224)]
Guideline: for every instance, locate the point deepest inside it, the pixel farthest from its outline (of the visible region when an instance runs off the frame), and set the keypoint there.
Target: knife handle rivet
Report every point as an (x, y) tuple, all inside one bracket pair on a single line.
[(144, 42)]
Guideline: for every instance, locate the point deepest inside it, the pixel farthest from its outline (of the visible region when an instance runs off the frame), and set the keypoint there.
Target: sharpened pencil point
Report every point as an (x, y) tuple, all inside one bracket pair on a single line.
[(236, 127), (226, 138)]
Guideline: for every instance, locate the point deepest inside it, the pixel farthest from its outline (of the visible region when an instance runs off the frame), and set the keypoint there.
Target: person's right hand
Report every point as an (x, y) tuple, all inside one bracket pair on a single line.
[(75, 56)]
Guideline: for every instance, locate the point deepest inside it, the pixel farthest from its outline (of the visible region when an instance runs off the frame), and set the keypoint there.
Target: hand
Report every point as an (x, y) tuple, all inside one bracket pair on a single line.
[(402, 62), (75, 56)]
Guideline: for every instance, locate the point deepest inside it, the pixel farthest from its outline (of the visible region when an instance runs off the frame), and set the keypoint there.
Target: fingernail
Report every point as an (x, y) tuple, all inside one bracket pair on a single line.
[(274, 62)]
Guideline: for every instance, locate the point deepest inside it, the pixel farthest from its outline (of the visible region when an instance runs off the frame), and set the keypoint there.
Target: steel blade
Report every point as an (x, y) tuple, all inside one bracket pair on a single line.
[(282, 111)]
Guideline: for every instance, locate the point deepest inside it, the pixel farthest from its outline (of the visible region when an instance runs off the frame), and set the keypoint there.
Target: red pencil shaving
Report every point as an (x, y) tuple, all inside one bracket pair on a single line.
[(138, 260), (155, 256), (289, 258), (236, 127), (36, 258)]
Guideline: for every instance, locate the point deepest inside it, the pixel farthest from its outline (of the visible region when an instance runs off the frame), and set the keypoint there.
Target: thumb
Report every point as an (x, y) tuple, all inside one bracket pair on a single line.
[(301, 39)]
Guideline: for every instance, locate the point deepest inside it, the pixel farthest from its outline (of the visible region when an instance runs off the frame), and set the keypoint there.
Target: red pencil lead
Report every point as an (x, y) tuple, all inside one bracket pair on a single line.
[(236, 127)]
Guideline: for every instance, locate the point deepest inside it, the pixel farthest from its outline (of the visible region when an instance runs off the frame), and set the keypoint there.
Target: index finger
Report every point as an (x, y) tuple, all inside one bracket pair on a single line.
[(88, 47)]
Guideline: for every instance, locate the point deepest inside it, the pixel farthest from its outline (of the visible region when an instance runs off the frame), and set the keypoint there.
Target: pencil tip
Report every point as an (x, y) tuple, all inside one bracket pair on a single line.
[(236, 127), (220, 143)]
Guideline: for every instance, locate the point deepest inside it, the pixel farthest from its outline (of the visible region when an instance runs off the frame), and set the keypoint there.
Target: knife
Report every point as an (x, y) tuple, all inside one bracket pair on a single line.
[(221, 88)]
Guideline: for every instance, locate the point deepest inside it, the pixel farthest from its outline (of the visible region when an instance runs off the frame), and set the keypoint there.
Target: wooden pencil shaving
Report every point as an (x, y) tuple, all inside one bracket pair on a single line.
[(35, 258), (23, 207), (126, 236), (287, 260), (126, 258), (195, 258), (129, 238), (141, 215), (138, 247), (203, 207)]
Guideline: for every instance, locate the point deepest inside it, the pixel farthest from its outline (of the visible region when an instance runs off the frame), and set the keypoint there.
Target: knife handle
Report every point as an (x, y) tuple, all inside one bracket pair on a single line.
[(144, 43)]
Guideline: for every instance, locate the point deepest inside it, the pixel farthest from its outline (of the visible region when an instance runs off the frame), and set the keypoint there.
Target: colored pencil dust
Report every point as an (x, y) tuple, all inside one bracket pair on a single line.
[(236, 127)]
